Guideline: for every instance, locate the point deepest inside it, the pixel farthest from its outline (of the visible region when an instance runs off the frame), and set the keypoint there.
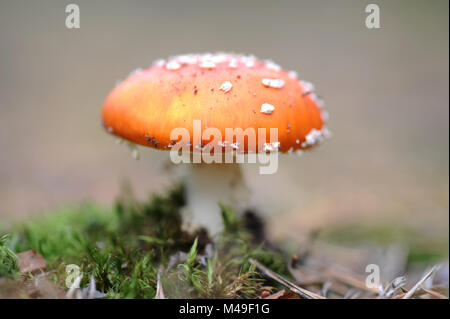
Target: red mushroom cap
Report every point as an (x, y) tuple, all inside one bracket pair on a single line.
[(221, 90)]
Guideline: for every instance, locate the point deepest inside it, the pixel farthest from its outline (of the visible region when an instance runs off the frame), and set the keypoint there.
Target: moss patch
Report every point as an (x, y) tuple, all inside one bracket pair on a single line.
[(124, 248)]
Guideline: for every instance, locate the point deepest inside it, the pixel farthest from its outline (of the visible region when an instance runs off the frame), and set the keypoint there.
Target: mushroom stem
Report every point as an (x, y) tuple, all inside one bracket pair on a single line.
[(211, 184)]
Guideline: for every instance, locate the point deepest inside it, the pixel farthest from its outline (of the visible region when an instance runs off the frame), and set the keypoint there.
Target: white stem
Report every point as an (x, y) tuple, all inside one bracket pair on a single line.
[(210, 184)]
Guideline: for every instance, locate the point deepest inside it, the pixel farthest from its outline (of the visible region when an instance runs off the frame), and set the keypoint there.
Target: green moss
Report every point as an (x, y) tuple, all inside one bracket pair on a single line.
[(124, 247), (223, 275), (64, 234), (8, 260)]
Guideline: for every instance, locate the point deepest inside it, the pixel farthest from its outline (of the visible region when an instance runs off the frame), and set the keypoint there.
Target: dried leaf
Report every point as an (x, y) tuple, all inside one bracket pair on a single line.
[(276, 295), (31, 262)]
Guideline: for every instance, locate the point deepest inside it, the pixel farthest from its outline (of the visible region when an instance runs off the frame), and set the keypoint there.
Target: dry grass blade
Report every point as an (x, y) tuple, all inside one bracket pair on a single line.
[(410, 293), (399, 296), (434, 294), (326, 287), (73, 288), (351, 281), (293, 287), (352, 293), (159, 289), (91, 289), (390, 290)]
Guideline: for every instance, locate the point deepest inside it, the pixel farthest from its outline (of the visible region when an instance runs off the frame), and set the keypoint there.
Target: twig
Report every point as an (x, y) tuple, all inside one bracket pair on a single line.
[(410, 293), (353, 282), (293, 287)]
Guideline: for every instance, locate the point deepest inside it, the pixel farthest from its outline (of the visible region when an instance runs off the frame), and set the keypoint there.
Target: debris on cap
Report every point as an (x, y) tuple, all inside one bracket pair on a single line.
[(226, 86), (273, 83), (267, 108), (173, 65)]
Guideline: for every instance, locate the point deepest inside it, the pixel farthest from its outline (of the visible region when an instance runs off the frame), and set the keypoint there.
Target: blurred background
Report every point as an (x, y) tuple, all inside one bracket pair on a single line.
[(386, 91)]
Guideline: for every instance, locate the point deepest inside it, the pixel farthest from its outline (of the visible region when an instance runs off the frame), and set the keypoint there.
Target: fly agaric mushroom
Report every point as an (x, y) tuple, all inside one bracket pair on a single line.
[(222, 91)]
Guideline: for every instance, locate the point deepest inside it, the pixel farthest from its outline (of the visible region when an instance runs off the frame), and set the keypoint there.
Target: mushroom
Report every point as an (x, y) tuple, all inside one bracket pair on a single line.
[(221, 91)]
